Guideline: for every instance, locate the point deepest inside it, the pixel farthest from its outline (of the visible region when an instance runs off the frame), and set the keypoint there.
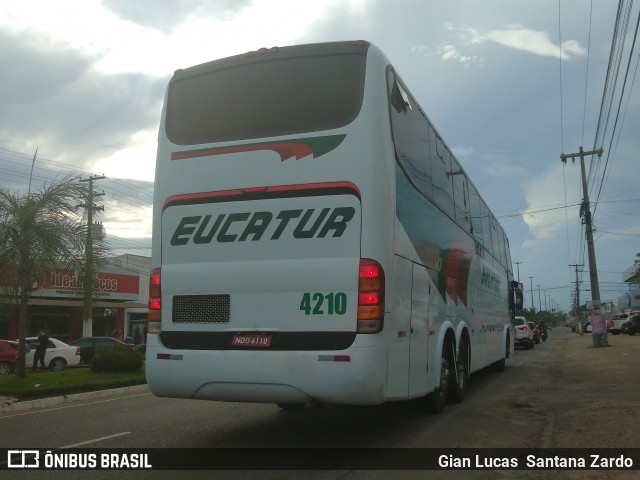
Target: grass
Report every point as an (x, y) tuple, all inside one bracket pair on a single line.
[(69, 381)]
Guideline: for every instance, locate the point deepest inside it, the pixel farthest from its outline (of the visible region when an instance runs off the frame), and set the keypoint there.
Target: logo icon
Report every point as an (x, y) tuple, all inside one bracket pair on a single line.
[(23, 459)]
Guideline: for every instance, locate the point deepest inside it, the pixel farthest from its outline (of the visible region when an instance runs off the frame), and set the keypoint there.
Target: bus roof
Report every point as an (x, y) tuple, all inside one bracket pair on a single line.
[(265, 54)]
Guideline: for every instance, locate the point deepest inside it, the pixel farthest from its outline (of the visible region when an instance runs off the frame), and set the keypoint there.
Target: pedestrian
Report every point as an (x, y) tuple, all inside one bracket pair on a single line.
[(41, 350)]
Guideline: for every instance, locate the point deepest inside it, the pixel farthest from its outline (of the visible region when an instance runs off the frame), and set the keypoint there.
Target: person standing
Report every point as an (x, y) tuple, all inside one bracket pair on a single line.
[(41, 350)]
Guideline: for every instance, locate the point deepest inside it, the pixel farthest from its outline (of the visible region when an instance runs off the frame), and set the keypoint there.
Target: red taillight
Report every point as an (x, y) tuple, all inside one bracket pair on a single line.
[(370, 296), (77, 350), (155, 300)]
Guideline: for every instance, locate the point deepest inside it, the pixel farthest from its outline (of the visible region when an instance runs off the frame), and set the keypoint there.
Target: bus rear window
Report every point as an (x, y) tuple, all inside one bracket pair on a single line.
[(265, 99)]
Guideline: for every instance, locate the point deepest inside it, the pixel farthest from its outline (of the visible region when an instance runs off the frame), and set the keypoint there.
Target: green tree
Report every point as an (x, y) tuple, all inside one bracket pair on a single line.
[(39, 231)]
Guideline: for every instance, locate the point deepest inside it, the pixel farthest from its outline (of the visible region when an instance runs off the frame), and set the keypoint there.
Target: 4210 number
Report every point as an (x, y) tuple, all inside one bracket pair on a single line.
[(317, 303)]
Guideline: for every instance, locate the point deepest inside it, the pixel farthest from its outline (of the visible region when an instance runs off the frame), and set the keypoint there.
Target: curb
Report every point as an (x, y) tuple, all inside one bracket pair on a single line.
[(10, 405)]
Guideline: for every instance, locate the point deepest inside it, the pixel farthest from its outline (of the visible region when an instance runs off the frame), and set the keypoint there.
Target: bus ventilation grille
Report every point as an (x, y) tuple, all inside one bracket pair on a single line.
[(201, 308)]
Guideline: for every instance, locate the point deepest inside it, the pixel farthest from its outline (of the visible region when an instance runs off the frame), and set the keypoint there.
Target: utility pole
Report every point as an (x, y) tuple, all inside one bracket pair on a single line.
[(87, 324), (546, 307), (533, 308), (585, 212), (577, 307)]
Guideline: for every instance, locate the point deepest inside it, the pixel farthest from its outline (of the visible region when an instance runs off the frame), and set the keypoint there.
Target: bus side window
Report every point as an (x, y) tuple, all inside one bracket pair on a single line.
[(460, 194), (411, 137), (497, 242), (507, 252), (476, 213), (441, 167), (486, 226)]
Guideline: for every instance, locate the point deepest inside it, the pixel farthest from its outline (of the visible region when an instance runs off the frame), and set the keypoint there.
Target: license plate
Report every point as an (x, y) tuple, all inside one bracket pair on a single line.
[(251, 340)]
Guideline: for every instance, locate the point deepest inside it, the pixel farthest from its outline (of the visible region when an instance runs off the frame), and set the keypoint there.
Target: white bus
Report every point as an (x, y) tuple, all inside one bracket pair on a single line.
[(315, 241)]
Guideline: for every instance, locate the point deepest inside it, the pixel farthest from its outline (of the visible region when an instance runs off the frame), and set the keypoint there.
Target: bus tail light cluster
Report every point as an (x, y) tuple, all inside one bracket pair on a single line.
[(370, 296), (155, 301)]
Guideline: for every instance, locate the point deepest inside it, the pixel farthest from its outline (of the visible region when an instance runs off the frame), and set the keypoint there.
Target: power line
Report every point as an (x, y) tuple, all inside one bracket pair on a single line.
[(586, 79), (122, 195), (531, 212), (624, 84)]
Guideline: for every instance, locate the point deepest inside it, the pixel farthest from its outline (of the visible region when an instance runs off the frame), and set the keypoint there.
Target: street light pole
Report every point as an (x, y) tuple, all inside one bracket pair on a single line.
[(539, 300), (518, 267)]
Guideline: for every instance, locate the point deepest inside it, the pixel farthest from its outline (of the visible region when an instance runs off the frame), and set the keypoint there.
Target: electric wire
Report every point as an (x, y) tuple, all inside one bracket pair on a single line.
[(586, 78), (626, 76)]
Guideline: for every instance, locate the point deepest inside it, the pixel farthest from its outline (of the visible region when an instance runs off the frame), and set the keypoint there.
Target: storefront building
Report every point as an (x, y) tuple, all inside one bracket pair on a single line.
[(631, 300), (56, 303)]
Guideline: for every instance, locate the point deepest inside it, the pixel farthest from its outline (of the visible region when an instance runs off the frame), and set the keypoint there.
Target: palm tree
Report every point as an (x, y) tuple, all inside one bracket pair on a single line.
[(39, 231)]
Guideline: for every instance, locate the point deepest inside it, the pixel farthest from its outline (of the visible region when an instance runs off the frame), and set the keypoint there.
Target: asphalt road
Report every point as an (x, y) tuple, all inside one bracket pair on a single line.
[(500, 410)]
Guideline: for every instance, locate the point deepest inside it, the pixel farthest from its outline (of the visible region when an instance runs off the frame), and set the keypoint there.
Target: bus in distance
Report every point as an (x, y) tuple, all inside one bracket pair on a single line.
[(315, 241)]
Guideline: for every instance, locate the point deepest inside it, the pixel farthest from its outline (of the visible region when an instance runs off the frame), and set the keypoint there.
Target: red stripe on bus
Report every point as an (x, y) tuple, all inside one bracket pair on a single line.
[(285, 150), (225, 194)]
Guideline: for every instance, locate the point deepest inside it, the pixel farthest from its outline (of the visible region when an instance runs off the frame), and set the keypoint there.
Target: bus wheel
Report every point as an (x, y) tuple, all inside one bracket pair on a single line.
[(437, 400), (460, 377)]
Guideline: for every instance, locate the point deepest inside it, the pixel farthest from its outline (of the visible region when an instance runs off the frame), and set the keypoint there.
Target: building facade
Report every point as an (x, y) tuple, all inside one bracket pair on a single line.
[(631, 299), (56, 303)]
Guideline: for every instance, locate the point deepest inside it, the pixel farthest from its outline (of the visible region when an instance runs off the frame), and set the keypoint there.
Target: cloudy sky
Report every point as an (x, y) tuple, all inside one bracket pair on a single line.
[(509, 84)]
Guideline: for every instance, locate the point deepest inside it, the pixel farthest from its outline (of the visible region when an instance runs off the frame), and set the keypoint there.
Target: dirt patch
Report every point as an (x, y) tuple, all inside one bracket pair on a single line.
[(602, 386), (587, 396)]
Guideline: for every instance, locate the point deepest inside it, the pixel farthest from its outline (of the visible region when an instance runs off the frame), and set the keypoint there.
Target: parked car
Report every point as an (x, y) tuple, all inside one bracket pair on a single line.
[(614, 325), (59, 354), (632, 325), (524, 334), (8, 357), (536, 333), (89, 345)]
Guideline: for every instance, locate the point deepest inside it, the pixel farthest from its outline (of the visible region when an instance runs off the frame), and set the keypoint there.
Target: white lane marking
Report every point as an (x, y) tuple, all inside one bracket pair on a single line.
[(96, 440)]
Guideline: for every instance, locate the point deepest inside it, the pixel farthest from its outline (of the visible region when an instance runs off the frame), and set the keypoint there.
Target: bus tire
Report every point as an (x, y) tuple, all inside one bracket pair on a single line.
[(460, 376), (437, 400)]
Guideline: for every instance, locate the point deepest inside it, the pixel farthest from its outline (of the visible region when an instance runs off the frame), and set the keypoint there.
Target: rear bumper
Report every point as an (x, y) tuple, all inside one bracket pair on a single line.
[(265, 376)]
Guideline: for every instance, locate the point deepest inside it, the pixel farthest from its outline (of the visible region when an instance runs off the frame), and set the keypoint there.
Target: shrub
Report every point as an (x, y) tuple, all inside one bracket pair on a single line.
[(116, 359)]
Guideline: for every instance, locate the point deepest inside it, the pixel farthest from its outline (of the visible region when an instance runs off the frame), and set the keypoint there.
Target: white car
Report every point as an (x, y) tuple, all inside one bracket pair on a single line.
[(615, 325), (524, 334), (59, 355)]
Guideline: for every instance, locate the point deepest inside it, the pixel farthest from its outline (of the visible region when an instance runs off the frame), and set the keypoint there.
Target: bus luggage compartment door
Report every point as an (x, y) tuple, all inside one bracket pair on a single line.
[(285, 264)]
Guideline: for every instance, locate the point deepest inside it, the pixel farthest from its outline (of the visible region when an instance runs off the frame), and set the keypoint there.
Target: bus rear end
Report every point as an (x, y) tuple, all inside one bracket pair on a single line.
[(260, 291)]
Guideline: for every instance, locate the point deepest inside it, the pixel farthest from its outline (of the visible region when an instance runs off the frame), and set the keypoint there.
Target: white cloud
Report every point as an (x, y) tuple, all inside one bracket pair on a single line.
[(499, 165), (136, 160), (464, 46), (548, 191), (450, 52), (462, 151), (130, 224), (125, 46), (532, 41)]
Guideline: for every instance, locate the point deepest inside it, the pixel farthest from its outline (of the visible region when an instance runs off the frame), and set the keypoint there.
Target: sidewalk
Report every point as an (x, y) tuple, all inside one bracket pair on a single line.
[(11, 405)]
